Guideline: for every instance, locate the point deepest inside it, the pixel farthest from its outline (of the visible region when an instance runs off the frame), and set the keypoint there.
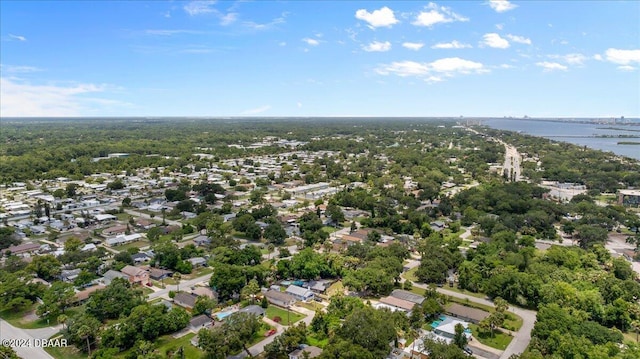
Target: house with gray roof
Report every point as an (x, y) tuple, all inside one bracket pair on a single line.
[(185, 300), (299, 293), (199, 322), (408, 296), (256, 310), (280, 299), (111, 274), (197, 262)]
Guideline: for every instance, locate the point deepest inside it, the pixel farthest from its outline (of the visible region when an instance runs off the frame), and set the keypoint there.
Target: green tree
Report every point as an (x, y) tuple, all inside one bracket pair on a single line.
[(275, 234), (459, 338), (46, 267), (203, 304), (56, 299)]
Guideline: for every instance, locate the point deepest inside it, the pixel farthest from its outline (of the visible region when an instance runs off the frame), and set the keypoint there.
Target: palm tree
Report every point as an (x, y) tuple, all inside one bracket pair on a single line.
[(177, 276), (62, 319), (85, 332)]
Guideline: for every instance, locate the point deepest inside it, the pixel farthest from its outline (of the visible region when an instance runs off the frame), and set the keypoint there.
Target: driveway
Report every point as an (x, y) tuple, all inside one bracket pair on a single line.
[(259, 347)]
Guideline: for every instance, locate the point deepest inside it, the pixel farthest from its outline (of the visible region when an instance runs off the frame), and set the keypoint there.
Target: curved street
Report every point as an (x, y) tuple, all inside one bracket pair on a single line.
[(521, 338), (9, 332)]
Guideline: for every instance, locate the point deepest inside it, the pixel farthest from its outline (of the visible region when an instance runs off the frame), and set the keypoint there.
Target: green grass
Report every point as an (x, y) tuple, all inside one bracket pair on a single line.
[(17, 318), (273, 311), (312, 339), (328, 229), (311, 305), (68, 352), (167, 343), (195, 273), (499, 340), (463, 291), (411, 274), (137, 244), (146, 290)]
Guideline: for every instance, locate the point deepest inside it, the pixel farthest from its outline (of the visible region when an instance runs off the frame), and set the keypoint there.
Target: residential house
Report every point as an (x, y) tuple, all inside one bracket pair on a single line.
[(256, 310), (22, 249), (472, 315), (159, 274), (409, 296), (394, 304), (140, 257), (90, 247), (136, 275), (201, 241), (83, 295), (199, 322), (197, 262), (38, 230), (105, 218), (185, 300), (300, 293), (311, 352), (280, 299), (205, 292), (123, 239), (111, 274), (115, 230), (320, 286), (69, 275)]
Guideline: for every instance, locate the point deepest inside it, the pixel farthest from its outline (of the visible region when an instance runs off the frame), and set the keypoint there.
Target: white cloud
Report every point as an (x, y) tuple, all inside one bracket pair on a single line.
[(551, 66), (437, 14), (268, 25), (494, 40), (499, 26), (161, 32), (311, 42), (451, 45), (19, 69), (255, 111), (299, 104), (501, 5), (622, 57), (571, 59), (432, 71), (382, 17), (597, 57), (626, 68), (17, 37), (519, 39), (228, 19), (377, 46), (282, 43), (415, 46), (20, 98), (194, 8)]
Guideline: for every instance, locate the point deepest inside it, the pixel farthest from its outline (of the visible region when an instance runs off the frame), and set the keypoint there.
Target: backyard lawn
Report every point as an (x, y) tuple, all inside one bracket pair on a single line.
[(499, 340), (273, 311)]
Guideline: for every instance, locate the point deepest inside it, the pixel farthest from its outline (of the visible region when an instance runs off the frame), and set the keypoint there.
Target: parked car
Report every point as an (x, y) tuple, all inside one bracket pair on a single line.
[(270, 332)]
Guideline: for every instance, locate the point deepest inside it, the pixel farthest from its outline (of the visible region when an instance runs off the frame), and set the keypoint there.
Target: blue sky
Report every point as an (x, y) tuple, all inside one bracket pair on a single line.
[(320, 58)]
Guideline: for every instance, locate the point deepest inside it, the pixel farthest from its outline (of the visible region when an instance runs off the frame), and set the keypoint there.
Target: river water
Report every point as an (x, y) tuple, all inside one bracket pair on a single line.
[(563, 131)]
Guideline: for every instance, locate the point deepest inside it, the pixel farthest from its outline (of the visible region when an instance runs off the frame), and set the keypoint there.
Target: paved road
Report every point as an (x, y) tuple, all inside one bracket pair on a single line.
[(520, 340), (146, 216), (259, 347), (184, 285), (7, 332)]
